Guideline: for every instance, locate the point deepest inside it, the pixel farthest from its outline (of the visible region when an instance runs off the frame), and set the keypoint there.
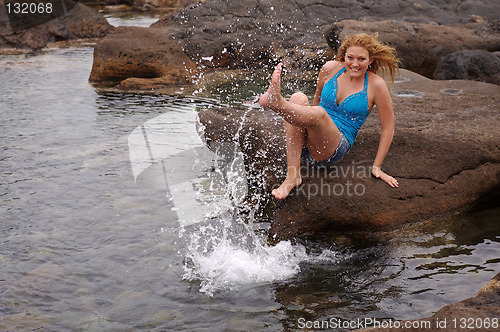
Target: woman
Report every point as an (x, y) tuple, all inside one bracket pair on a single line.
[(346, 91)]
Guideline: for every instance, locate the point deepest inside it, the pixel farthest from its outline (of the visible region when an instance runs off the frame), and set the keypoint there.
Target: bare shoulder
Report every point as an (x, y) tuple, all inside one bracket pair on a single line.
[(331, 67), (329, 70), (377, 82), (378, 93)]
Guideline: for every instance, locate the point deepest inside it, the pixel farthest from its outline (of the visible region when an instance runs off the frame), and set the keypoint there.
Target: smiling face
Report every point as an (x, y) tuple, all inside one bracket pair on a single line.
[(357, 60)]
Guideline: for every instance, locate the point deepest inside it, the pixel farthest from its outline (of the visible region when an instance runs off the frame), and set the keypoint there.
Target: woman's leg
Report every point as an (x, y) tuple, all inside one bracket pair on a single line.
[(322, 135), (296, 114), (295, 138)]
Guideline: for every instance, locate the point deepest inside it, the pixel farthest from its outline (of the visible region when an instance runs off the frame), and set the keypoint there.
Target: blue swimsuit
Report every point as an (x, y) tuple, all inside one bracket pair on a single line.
[(350, 115)]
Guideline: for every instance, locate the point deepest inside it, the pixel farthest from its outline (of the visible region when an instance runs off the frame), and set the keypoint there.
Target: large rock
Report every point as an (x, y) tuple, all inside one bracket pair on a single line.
[(324, 12), (421, 46), (476, 65), (480, 313), (255, 34), (81, 22), (249, 34), (445, 155), (141, 58)]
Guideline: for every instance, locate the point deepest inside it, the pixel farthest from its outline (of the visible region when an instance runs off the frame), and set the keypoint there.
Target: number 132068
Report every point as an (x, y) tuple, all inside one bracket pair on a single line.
[(28, 8), (475, 323)]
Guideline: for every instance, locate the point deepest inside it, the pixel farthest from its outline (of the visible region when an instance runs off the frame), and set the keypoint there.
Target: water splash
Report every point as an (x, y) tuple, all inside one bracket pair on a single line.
[(229, 252), (169, 152), (225, 245), (228, 255)]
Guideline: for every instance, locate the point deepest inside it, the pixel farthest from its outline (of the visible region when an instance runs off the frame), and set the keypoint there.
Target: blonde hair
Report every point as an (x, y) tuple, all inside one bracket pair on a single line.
[(384, 57)]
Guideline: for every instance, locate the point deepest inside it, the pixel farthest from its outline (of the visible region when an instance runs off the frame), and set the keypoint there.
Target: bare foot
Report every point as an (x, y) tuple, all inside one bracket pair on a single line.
[(272, 97), (282, 191)]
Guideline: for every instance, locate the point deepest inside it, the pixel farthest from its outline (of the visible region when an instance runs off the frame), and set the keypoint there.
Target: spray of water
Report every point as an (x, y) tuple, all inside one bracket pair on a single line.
[(227, 252), (225, 246)]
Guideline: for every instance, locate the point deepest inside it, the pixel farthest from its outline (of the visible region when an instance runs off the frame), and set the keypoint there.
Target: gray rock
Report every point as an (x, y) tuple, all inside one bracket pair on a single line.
[(81, 22), (476, 65), (245, 34), (420, 46)]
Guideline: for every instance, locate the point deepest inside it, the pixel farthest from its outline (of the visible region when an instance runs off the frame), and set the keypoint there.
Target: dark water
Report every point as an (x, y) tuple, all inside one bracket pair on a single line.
[(86, 247)]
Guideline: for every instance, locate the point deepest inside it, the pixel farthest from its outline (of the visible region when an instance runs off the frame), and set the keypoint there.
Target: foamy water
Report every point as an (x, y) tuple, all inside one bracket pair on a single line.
[(207, 187), (228, 254), (227, 266)]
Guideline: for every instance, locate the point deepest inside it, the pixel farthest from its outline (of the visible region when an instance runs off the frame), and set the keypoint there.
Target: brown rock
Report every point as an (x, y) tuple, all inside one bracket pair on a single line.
[(445, 155), (420, 45), (250, 34), (141, 58), (81, 22), (480, 313)]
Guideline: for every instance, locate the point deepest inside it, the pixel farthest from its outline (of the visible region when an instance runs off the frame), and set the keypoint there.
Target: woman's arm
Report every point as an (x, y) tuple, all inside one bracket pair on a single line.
[(386, 116)]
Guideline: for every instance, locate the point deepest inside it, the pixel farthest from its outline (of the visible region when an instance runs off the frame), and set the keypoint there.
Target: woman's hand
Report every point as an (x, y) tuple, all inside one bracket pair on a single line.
[(377, 172)]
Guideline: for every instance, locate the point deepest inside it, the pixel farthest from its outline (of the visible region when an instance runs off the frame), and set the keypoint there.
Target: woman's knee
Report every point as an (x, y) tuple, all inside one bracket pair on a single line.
[(299, 98), (320, 112)]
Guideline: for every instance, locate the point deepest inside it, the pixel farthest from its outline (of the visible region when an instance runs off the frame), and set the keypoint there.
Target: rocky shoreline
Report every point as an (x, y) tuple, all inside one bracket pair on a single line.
[(440, 41)]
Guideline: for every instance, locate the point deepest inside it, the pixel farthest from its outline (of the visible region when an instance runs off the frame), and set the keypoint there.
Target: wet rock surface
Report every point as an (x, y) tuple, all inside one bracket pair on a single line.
[(445, 155), (81, 22), (259, 134), (324, 11), (477, 313)]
